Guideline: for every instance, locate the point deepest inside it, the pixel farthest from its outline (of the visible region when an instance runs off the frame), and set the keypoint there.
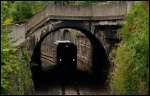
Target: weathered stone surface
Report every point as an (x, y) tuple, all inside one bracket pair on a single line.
[(90, 12), (17, 35)]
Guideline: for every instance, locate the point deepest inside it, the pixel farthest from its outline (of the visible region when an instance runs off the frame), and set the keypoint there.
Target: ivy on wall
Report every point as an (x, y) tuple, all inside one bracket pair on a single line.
[(15, 75)]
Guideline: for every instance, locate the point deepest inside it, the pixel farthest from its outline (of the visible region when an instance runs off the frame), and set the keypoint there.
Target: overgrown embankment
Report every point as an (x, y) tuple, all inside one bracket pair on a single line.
[(15, 74), (131, 58)]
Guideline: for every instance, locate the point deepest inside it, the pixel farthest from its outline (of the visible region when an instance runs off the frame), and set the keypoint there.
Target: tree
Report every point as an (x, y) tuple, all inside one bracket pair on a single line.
[(23, 11), (131, 58)]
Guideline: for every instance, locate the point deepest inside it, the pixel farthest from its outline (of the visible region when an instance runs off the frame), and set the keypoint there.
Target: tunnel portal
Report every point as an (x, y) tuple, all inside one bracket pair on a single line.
[(99, 62)]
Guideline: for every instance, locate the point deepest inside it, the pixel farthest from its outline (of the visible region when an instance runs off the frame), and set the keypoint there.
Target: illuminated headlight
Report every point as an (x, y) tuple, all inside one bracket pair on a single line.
[(73, 59)]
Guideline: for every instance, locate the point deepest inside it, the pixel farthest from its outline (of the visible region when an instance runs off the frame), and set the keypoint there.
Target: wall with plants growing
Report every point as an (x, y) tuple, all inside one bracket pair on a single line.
[(131, 58), (15, 74)]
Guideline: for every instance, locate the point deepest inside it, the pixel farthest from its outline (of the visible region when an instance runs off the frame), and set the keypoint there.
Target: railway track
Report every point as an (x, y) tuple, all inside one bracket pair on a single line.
[(72, 90), (76, 84)]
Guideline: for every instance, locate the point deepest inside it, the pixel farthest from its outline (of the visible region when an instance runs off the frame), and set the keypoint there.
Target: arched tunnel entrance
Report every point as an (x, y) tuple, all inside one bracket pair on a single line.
[(100, 64)]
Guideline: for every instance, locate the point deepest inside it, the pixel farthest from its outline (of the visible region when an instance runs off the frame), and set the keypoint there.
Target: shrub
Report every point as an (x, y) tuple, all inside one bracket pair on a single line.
[(131, 58), (15, 75)]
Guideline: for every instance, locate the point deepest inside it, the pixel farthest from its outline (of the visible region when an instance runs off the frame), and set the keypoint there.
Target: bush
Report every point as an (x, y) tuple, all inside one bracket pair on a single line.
[(15, 75), (23, 11), (131, 58)]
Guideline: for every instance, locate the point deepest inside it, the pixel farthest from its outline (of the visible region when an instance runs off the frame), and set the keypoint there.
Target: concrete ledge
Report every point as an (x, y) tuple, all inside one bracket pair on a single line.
[(90, 12)]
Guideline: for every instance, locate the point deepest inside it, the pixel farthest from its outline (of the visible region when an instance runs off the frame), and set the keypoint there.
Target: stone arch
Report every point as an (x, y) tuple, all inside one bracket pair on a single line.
[(100, 61)]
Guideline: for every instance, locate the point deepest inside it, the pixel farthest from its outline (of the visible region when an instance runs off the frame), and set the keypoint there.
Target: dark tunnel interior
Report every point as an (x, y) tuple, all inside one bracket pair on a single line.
[(65, 72)]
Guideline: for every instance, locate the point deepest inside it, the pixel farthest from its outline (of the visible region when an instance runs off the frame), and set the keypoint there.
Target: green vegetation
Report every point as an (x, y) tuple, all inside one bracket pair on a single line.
[(131, 58), (15, 75), (21, 11)]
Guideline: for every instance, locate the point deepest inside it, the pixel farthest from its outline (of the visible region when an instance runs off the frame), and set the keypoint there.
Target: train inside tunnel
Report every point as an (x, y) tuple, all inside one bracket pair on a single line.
[(83, 58)]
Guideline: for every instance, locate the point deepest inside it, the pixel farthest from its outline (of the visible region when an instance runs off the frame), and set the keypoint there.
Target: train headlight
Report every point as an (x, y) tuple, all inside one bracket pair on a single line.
[(73, 59)]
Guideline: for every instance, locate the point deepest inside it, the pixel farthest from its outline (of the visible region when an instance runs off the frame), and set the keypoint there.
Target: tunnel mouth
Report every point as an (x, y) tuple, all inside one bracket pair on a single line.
[(100, 64)]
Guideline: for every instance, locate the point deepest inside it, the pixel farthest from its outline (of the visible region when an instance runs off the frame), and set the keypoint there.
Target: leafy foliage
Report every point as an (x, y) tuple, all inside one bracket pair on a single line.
[(131, 58), (5, 10), (22, 11), (15, 75)]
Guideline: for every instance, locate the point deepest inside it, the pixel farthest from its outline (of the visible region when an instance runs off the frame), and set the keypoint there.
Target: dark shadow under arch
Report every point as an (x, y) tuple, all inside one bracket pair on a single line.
[(100, 61)]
